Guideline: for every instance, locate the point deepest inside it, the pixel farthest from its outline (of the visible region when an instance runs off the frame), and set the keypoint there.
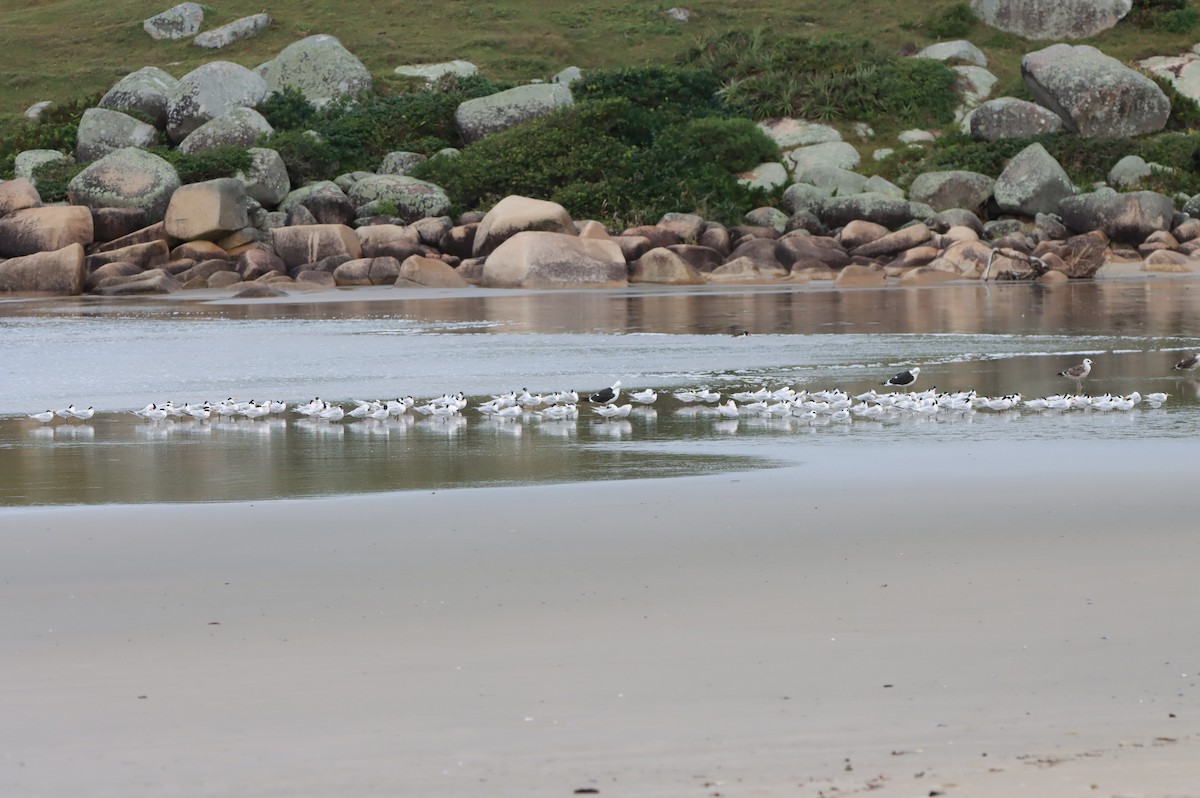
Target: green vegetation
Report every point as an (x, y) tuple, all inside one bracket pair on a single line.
[(53, 178), (955, 22), (223, 161), (1169, 16)]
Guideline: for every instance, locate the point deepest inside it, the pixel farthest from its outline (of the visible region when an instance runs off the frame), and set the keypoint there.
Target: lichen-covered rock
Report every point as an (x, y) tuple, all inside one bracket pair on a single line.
[(536, 259), (1095, 94), (266, 180), (31, 230), (840, 154), (17, 195), (1128, 218), (227, 34), (413, 199), (891, 212), (954, 189), (146, 91), (206, 210), (432, 73), (239, 127), (515, 214), (327, 203), (102, 131), (209, 91), (60, 271), (1051, 19), (399, 162), (1131, 170), (806, 197), (320, 67), (485, 115), (178, 22), (1032, 183), (834, 179), (1010, 118), (25, 162), (305, 244)]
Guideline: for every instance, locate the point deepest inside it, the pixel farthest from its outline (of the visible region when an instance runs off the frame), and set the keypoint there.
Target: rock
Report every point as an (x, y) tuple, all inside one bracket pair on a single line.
[(102, 131), (244, 28), (1188, 230), (955, 217), (717, 238), (702, 259), (764, 254), (25, 162), (804, 197), (792, 133), (1129, 171), (766, 176), (903, 239), (974, 84), (1032, 182), (967, 259), (808, 222), (155, 281), (209, 91), (239, 127), (17, 195), (145, 91), (662, 266), (53, 228), (954, 189), (839, 154), (768, 217), (537, 259), (226, 279), (255, 263), (1002, 228), (1051, 19), (745, 270), (1095, 94), (432, 229), (679, 14), (515, 214), (143, 235), (959, 51), (432, 73), (828, 251), (320, 67), (178, 22), (915, 136), (266, 182), (413, 198), (367, 271), (922, 275), (838, 181), (202, 271), (258, 291), (856, 276), (1050, 227), (207, 210), (34, 111), (325, 201), (485, 115), (858, 232), (430, 272), (568, 77), (151, 255), (60, 271), (891, 212), (388, 239), (109, 270), (911, 258), (1010, 118), (1159, 239), (878, 185), (316, 278), (1127, 218), (686, 226), (398, 163), (1167, 262), (301, 245)]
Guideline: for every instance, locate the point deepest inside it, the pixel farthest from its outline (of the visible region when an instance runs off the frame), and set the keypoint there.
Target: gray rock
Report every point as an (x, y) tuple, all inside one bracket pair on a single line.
[(1032, 182), (399, 162), (1051, 19), (960, 51), (413, 198), (146, 91), (834, 179), (240, 127), (974, 85), (27, 161), (879, 185), (1095, 94), (768, 217), (568, 77), (806, 197), (102, 131), (320, 67), (346, 180), (35, 111), (1050, 227), (954, 217), (244, 28), (325, 201), (209, 91), (792, 133), (766, 176), (267, 180), (179, 22), (1127, 218), (891, 212), (1002, 228), (839, 154), (1131, 170), (432, 73), (954, 189), (1010, 118), (485, 115), (128, 178)]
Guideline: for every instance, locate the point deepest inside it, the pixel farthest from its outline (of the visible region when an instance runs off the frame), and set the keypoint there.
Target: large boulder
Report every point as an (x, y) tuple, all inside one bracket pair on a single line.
[(884, 209), (954, 189), (515, 214), (1095, 94), (661, 265), (178, 22), (1010, 118), (207, 210), (146, 91), (838, 154), (320, 67), (327, 203), (310, 243), (834, 179), (535, 259), (484, 115), (240, 127), (266, 181), (17, 195), (1032, 183), (31, 230), (128, 178), (414, 199), (1128, 218), (1051, 19), (60, 271), (102, 131), (430, 273), (227, 34), (209, 91)]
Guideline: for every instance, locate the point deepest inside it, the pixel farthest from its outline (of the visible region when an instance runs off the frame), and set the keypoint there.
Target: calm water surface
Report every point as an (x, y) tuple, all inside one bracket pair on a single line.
[(380, 343)]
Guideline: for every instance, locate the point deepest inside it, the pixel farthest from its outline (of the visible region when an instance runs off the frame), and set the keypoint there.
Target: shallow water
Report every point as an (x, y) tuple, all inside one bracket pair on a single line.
[(123, 354)]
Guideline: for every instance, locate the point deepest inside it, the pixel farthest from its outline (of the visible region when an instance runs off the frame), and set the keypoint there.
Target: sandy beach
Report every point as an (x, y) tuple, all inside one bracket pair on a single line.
[(968, 619)]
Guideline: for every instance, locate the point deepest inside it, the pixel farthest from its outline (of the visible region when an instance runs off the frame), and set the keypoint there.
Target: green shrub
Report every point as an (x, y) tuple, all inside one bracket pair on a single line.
[(954, 22), (664, 90), (288, 109), (56, 129), (223, 161), (1170, 16), (1181, 20), (307, 156), (1185, 112), (53, 177)]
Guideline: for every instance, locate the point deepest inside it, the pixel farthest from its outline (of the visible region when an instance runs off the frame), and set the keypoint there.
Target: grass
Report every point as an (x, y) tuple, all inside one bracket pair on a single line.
[(62, 49)]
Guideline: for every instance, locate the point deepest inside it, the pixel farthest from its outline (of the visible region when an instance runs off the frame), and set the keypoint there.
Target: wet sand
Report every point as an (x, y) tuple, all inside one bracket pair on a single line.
[(971, 619)]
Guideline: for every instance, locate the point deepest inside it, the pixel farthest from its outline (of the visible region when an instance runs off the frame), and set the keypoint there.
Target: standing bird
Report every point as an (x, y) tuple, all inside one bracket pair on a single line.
[(45, 417), (1189, 363), (1077, 373), (904, 379), (607, 396)]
